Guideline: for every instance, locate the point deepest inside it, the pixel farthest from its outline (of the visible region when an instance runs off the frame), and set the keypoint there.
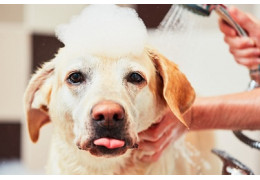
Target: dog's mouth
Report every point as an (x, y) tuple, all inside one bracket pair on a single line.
[(109, 143), (109, 146), (109, 135)]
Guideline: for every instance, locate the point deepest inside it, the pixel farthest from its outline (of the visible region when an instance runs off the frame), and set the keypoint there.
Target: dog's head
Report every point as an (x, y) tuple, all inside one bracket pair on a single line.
[(103, 103), (102, 99)]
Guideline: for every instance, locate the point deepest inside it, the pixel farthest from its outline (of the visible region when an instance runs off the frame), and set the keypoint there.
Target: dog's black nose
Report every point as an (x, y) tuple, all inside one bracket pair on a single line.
[(108, 114)]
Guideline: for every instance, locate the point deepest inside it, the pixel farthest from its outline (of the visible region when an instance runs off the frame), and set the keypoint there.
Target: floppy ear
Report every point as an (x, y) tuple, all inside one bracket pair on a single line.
[(177, 90), (36, 100)]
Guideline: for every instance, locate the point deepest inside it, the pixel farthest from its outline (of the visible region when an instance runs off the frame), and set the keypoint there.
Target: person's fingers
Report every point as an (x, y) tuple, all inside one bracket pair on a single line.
[(156, 131), (155, 157), (239, 42), (177, 132), (158, 147), (226, 29), (243, 19), (249, 62), (245, 53), (171, 135), (155, 146)]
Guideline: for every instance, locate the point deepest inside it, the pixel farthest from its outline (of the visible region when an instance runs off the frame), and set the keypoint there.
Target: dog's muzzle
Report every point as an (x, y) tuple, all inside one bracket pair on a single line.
[(110, 135)]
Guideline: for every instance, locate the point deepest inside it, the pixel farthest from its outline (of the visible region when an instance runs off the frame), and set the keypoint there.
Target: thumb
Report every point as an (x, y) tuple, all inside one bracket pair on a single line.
[(243, 19)]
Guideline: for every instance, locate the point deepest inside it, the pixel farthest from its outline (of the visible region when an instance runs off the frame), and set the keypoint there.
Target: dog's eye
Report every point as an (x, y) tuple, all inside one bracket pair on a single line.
[(76, 78), (135, 78)]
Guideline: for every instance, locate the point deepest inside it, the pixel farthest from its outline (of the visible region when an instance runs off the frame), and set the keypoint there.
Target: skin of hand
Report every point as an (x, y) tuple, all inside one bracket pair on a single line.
[(156, 138), (246, 50)]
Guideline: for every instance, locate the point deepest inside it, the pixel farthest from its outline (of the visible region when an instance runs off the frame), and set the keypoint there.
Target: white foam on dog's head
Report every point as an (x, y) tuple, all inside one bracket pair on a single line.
[(107, 30)]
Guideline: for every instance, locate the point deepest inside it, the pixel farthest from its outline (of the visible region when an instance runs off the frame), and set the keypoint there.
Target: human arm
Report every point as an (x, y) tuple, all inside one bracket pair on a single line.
[(233, 112)]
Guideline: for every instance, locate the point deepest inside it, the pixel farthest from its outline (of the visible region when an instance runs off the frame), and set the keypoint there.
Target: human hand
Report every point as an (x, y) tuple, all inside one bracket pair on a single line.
[(246, 50), (156, 138)]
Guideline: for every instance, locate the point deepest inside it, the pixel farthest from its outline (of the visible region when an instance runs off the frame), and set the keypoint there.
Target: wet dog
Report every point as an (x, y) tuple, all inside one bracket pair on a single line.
[(98, 102)]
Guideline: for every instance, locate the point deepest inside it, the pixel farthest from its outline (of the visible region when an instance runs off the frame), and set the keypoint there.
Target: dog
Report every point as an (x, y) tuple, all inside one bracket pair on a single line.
[(98, 103)]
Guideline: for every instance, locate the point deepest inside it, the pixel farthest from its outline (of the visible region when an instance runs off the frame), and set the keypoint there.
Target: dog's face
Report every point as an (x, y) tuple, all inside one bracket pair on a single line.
[(108, 100), (102, 102)]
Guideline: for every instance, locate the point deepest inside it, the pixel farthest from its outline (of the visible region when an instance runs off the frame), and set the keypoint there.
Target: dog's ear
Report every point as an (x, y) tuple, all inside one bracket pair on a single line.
[(177, 90), (37, 98)]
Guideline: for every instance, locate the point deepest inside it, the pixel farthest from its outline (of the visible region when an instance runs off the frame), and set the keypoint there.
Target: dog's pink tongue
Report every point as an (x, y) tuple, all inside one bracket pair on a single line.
[(109, 143)]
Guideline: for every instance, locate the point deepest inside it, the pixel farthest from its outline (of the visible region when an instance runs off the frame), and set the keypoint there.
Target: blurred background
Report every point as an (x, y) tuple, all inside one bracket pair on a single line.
[(27, 39)]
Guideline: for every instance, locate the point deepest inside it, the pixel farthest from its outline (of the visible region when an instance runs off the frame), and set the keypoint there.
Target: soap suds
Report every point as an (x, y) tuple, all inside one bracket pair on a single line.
[(107, 30)]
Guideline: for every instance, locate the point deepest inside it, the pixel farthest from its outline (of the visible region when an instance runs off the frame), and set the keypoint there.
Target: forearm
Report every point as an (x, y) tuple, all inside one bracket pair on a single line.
[(236, 111)]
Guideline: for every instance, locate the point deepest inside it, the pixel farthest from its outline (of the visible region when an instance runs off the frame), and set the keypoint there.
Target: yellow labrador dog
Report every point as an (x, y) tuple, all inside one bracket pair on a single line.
[(98, 103)]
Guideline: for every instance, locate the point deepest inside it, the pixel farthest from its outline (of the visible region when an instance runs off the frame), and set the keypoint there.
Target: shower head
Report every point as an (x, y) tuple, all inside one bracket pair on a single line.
[(220, 9), (200, 9)]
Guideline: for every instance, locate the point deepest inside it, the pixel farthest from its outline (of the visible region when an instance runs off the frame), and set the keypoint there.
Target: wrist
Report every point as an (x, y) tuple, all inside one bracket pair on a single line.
[(205, 113)]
